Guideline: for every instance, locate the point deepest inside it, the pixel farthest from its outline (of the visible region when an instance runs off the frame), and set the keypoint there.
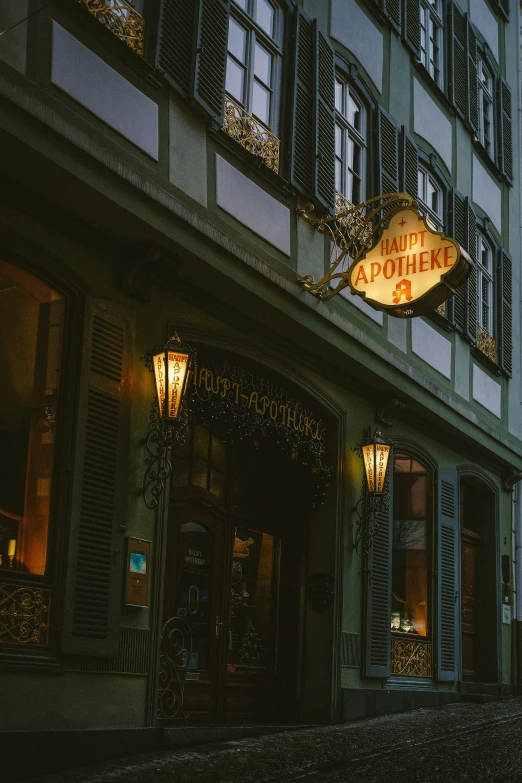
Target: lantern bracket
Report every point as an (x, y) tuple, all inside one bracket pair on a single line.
[(351, 232)]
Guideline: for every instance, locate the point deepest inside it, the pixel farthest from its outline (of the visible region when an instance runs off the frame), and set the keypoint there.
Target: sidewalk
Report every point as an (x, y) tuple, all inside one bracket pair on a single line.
[(387, 748)]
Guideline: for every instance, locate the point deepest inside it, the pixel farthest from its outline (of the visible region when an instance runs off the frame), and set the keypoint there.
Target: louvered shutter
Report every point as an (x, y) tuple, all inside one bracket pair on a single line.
[(392, 9), (471, 282), (378, 597), (302, 152), (409, 181), (176, 39), (505, 130), (503, 7), (505, 314), (472, 79), (211, 57), (387, 153), (411, 26), (459, 64), (448, 548), (325, 122), (98, 510)]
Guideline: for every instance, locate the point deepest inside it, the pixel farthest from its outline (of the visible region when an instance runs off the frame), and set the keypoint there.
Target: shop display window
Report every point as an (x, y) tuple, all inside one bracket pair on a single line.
[(410, 549), (31, 319)]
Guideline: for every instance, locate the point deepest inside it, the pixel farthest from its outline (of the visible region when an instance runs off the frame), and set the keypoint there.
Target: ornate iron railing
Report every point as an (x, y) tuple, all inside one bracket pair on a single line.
[(411, 658), (251, 134), (24, 615), (121, 19), (176, 646), (486, 343)]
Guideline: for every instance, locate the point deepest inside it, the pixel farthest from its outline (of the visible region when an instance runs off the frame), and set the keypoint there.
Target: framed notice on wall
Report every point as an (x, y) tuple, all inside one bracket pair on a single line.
[(137, 572)]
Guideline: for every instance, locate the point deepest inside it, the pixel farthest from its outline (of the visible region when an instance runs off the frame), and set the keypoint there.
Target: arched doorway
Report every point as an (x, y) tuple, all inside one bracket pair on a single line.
[(233, 603), (478, 547)]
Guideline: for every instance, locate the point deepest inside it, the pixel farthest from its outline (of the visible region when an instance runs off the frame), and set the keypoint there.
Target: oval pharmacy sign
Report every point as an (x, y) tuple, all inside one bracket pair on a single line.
[(412, 269)]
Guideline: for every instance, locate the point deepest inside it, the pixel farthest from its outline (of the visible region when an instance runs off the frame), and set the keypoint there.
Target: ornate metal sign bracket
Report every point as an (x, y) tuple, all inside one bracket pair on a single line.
[(351, 230)]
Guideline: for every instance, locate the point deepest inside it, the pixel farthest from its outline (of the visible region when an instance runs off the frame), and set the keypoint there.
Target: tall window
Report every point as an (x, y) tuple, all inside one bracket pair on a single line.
[(431, 29), (431, 197), (411, 548), (485, 102), (484, 284), (255, 37), (31, 317), (351, 139)]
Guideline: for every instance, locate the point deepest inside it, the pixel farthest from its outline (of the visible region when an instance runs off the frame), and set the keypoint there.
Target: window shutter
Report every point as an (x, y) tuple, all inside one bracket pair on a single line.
[(409, 165), (388, 153), (503, 7), (472, 79), (459, 69), (505, 315), (459, 232), (411, 26), (325, 122), (448, 576), (471, 282), (176, 38), (505, 130), (99, 490), (211, 57), (392, 9), (378, 598), (302, 153)]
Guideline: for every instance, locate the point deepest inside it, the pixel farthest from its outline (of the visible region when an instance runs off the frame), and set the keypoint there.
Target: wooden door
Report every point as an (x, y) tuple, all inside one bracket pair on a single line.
[(193, 617), (469, 550)]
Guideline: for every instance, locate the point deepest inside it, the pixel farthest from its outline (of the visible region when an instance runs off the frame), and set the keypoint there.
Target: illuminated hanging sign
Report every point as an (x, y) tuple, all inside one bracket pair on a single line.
[(412, 269)]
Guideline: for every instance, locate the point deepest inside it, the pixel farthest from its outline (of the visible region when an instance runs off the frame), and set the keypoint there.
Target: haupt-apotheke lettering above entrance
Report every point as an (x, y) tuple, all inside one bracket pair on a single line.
[(411, 269)]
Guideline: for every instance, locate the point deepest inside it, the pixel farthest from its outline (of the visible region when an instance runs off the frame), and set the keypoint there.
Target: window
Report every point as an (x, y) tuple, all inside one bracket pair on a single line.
[(31, 316), (410, 549), (351, 136), (255, 36), (431, 197), (485, 297), (485, 104), (431, 36)]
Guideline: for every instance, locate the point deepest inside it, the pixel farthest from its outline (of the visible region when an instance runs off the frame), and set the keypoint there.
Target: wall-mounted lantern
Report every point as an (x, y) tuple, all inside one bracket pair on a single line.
[(375, 451), (168, 421), (171, 364)]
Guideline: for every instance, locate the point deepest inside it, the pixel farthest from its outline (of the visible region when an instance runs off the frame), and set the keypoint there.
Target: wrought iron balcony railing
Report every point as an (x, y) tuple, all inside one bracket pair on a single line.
[(248, 132), (486, 343), (121, 19)]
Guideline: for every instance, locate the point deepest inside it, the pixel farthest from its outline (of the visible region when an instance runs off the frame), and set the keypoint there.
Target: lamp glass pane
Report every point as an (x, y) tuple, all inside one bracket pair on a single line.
[(369, 466), (382, 453), (178, 363), (159, 377)]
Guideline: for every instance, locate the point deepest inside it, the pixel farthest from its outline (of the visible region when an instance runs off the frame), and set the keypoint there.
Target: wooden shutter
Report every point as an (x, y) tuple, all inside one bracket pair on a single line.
[(211, 57), (303, 153), (471, 282), (98, 510), (378, 597), (176, 39), (505, 130), (505, 313), (409, 180), (503, 7), (324, 121), (387, 153), (459, 61), (411, 26), (448, 626), (472, 78), (392, 9)]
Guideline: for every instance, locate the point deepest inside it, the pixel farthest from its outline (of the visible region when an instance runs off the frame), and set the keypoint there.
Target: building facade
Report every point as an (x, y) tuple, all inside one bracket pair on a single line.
[(159, 163)]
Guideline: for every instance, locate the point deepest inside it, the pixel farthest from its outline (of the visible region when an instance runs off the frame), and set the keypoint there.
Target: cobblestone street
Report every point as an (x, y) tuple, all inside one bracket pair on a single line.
[(462, 742)]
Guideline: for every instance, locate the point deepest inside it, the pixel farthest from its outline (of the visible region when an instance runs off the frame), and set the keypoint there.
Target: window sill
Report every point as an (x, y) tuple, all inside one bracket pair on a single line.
[(441, 321), (489, 162), (486, 361)]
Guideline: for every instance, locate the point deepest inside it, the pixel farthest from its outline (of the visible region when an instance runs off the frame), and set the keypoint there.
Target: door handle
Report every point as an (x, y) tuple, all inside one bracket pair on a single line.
[(218, 627)]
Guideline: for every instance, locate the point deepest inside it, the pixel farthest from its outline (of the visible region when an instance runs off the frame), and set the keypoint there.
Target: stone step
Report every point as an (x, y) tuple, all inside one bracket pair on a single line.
[(184, 736)]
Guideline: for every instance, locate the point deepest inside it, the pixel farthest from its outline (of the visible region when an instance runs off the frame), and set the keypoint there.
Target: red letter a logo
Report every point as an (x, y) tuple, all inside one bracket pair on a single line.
[(403, 289)]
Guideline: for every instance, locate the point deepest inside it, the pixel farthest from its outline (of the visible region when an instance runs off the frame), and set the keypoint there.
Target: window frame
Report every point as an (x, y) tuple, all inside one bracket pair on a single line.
[(275, 46), (428, 165), (488, 276), (433, 14), (349, 132), (484, 64)]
